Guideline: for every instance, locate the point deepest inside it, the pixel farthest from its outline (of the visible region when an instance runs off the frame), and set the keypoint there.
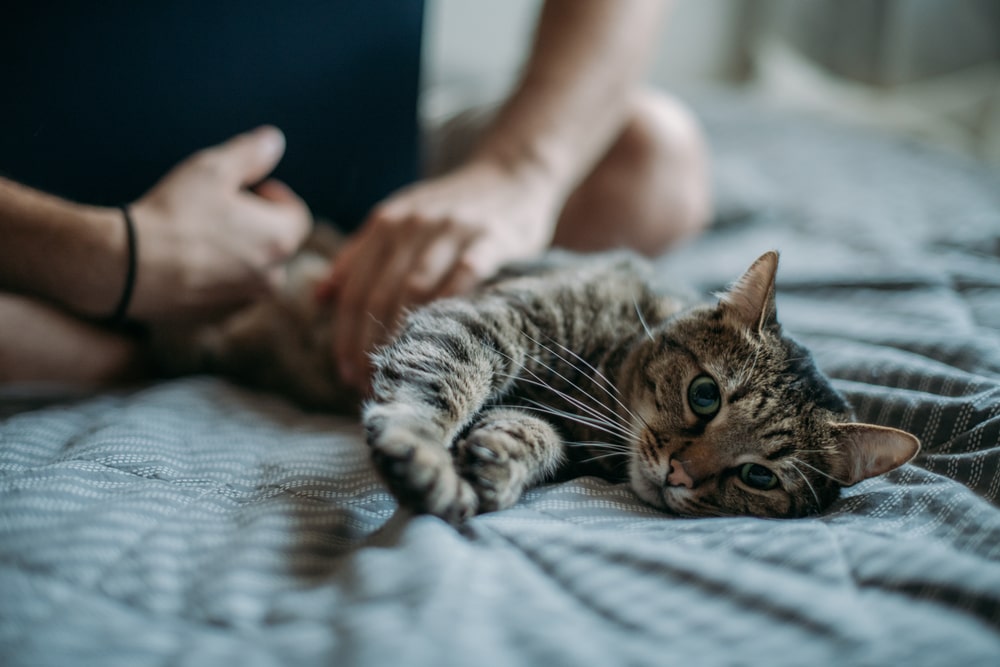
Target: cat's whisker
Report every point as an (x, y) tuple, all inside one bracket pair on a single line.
[(591, 367), (752, 373), (523, 365), (625, 449), (608, 415), (747, 375), (806, 480), (594, 416), (569, 363), (742, 374), (590, 416), (611, 414), (818, 471), (544, 409), (568, 381), (603, 456), (585, 363), (642, 319), (580, 419)]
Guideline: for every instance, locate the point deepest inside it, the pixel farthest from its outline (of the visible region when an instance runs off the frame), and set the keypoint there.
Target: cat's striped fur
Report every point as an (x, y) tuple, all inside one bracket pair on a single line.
[(586, 367), (572, 367)]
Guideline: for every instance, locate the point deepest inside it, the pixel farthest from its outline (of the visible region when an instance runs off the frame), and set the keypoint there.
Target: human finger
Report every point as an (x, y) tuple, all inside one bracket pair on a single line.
[(387, 294), (375, 323), (345, 259), (327, 287), (430, 267), (247, 158), (476, 262), (381, 222), (289, 218), (276, 191), (352, 303)]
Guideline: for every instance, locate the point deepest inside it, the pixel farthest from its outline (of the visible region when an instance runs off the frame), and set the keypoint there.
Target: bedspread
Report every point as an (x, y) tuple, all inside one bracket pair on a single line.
[(193, 522)]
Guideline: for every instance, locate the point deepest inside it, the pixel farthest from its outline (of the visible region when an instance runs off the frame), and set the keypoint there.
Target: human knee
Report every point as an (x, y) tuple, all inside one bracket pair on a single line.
[(663, 147)]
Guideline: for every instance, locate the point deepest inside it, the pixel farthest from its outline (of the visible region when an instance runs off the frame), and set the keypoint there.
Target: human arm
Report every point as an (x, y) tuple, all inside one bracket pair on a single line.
[(43, 345), (442, 236), (206, 242)]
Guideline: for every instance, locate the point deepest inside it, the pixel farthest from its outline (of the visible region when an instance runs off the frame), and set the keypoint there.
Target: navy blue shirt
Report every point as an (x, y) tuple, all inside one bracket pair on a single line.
[(99, 99)]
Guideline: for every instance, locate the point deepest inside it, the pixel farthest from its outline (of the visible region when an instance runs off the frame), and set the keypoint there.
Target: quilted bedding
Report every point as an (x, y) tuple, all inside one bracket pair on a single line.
[(196, 523)]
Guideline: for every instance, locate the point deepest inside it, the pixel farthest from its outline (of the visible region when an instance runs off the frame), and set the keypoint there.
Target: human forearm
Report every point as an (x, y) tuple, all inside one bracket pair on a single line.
[(209, 236), (572, 100), (69, 254)]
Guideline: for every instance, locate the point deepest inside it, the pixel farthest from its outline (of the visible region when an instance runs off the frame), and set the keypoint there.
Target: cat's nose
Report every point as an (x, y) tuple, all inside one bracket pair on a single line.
[(678, 475)]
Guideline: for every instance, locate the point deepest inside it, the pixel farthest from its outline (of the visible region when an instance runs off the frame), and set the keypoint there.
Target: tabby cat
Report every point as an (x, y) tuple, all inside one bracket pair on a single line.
[(581, 367)]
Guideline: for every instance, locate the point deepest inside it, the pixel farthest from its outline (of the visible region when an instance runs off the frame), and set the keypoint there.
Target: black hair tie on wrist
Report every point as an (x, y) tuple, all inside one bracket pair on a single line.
[(118, 317)]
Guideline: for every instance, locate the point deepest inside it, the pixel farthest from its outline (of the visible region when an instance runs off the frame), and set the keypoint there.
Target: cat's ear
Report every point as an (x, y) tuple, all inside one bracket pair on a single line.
[(751, 298), (871, 450)]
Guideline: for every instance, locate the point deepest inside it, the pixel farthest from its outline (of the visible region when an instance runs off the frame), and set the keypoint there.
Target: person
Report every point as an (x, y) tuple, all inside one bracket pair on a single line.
[(579, 155)]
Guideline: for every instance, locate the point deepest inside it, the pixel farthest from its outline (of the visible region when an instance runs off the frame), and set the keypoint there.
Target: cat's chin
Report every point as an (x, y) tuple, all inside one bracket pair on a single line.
[(672, 499), (647, 489)]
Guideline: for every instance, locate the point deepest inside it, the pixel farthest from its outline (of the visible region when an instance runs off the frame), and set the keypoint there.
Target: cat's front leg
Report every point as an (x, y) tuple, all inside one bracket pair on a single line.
[(429, 385), (505, 452), (413, 459)]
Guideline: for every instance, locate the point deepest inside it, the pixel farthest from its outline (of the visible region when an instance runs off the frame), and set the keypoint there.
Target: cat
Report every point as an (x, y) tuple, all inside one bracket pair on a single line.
[(279, 343), (576, 367)]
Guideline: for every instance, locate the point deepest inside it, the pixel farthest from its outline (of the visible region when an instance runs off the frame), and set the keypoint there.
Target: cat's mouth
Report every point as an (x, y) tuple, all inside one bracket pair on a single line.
[(659, 478), (666, 487), (652, 485)]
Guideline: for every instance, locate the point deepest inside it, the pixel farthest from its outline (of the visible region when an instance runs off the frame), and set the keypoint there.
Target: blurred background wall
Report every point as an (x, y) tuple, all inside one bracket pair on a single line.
[(925, 68)]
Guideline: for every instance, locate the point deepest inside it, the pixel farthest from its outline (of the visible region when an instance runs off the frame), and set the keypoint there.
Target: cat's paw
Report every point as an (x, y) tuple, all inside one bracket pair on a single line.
[(488, 460), (422, 475)]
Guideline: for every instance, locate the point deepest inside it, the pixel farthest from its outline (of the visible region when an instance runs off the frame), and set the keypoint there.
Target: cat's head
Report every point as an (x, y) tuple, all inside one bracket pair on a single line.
[(733, 418)]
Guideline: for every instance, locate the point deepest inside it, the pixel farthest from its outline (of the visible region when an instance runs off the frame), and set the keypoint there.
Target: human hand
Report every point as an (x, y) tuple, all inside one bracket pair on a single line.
[(436, 238), (211, 235)]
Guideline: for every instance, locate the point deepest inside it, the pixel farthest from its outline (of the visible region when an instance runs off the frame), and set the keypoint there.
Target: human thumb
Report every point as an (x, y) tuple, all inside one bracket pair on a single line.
[(251, 156)]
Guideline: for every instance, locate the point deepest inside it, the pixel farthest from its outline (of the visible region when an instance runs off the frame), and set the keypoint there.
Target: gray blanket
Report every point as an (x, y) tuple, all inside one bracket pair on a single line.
[(196, 523)]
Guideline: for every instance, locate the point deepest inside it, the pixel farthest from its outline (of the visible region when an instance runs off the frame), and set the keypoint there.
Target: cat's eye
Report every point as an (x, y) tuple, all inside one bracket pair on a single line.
[(704, 397), (757, 476)]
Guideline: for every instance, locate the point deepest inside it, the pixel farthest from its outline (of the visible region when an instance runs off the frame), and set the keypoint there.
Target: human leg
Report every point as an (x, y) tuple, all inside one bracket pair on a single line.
[(40, 344), (649, 191)]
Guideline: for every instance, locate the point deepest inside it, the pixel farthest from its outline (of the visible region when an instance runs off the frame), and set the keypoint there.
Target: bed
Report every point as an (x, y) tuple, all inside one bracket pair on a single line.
[(193, 522)]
